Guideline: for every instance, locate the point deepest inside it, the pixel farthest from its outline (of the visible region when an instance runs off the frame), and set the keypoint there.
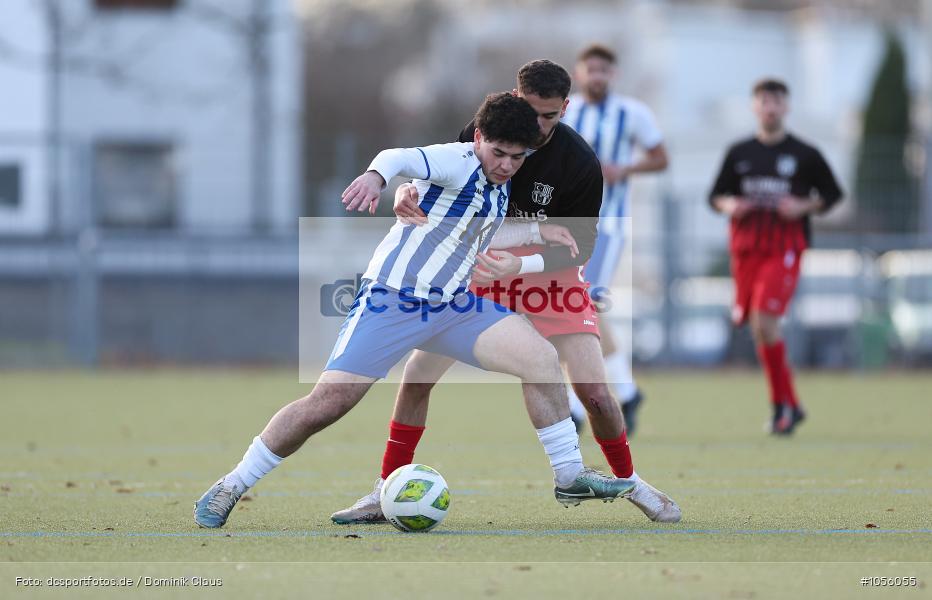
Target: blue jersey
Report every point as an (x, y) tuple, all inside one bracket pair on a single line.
[(464, 210)]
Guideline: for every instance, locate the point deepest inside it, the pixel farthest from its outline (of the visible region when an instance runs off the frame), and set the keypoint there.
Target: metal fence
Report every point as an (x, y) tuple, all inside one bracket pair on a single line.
[(108, 298), (87, 293)]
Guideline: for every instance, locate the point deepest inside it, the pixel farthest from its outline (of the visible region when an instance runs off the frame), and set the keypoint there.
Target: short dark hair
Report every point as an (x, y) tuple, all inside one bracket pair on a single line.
[(506, 118), (597, 51), (544, 78), (770, 85)]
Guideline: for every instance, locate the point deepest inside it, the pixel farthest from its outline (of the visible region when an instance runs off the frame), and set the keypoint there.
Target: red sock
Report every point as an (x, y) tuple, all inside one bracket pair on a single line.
[(400, 447), (786, 381), (779, 374), (618, 455), (773, 359)]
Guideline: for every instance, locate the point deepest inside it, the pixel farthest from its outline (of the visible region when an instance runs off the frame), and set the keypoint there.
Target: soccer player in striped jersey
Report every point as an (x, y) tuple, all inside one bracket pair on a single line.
[(415, 295), (769, 185), (614, 125), (559, 184)]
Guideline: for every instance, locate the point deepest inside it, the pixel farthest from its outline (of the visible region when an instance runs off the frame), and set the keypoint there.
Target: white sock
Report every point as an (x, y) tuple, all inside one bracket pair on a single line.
[(562, 447), (576, 408), (256, 464), (618, 373)]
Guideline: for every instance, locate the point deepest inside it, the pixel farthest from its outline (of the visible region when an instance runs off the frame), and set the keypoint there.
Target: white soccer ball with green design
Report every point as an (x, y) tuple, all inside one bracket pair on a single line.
[(415, 498)]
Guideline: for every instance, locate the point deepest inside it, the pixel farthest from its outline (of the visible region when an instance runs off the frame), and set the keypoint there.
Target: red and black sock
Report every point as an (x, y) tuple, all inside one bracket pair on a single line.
[(400, 447)]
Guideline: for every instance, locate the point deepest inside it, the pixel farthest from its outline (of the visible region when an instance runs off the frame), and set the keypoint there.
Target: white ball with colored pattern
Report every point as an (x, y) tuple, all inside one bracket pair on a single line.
[(415, 498)]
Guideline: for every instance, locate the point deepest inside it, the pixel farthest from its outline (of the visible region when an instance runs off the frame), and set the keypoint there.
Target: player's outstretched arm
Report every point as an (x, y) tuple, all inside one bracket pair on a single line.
[(365, 191), (437, 163), (514, 233)]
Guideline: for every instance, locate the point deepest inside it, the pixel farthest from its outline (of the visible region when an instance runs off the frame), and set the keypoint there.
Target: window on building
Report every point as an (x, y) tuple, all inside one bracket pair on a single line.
[(10, 185), (135, 185), (131, 4)]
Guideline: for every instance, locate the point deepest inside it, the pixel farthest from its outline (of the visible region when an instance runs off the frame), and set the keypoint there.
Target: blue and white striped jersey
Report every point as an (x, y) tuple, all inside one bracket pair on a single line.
[(613, 127), (464, 210)]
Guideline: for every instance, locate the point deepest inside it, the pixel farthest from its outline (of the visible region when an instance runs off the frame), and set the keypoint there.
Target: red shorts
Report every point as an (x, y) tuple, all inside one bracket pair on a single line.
[(555, 302), (763, 283)]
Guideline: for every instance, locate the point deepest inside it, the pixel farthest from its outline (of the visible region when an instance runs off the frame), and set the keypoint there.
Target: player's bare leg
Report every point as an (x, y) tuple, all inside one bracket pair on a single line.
[(513, 346), (422, 371), (768, 338), (619, 376), (335, 394), (582, 353)]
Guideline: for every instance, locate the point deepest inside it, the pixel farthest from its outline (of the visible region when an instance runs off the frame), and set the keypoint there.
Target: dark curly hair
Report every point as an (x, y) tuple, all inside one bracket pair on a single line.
[(544, 78), (506, 118)]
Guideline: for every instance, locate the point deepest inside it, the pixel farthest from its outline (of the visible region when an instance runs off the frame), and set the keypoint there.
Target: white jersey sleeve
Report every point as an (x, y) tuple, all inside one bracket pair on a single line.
[(440, 163), (645, 130)]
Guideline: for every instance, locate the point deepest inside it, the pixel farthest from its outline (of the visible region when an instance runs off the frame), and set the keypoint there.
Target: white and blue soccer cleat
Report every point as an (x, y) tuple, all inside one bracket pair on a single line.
[(214, 507)]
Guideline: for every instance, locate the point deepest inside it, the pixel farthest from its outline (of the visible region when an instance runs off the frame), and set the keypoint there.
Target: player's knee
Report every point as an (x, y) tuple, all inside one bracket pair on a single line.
[(415, 392), (418, 378), (765, 330), (597, 399), (540, 362)]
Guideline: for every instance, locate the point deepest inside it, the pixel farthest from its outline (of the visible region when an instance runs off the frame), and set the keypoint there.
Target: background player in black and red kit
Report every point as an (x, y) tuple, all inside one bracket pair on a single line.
[(560, 183), (769, 185)]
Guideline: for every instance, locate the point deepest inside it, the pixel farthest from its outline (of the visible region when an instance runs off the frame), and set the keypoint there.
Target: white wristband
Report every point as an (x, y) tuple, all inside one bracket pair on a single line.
[(531, 264)]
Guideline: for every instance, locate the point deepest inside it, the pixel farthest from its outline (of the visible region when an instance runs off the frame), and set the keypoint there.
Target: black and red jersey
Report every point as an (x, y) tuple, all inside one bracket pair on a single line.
[(560, 183), (765, 173)]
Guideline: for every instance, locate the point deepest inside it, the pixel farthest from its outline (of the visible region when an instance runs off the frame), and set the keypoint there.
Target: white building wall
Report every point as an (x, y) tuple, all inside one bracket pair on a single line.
[(180, 76), (23, 114)]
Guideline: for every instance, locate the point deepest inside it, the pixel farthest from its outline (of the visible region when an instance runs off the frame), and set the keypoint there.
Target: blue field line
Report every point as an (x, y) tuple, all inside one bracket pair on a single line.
[(473, 532), (692, 492)]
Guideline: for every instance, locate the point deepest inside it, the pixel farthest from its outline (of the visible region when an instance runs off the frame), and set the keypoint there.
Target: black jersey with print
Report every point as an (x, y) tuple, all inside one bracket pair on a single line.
[(560, 183), (765, 173)]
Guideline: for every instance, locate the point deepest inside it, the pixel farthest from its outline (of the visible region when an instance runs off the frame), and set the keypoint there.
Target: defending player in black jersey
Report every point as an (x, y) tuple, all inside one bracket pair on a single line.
[(769, 185), (561, 178)]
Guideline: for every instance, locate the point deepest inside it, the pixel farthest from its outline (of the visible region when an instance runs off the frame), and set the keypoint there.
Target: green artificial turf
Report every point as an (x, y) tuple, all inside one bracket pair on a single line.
[(104, 467)]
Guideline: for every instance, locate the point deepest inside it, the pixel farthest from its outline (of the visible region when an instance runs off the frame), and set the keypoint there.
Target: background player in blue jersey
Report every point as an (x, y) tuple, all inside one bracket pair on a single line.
[(465, 198), (614, 125)]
